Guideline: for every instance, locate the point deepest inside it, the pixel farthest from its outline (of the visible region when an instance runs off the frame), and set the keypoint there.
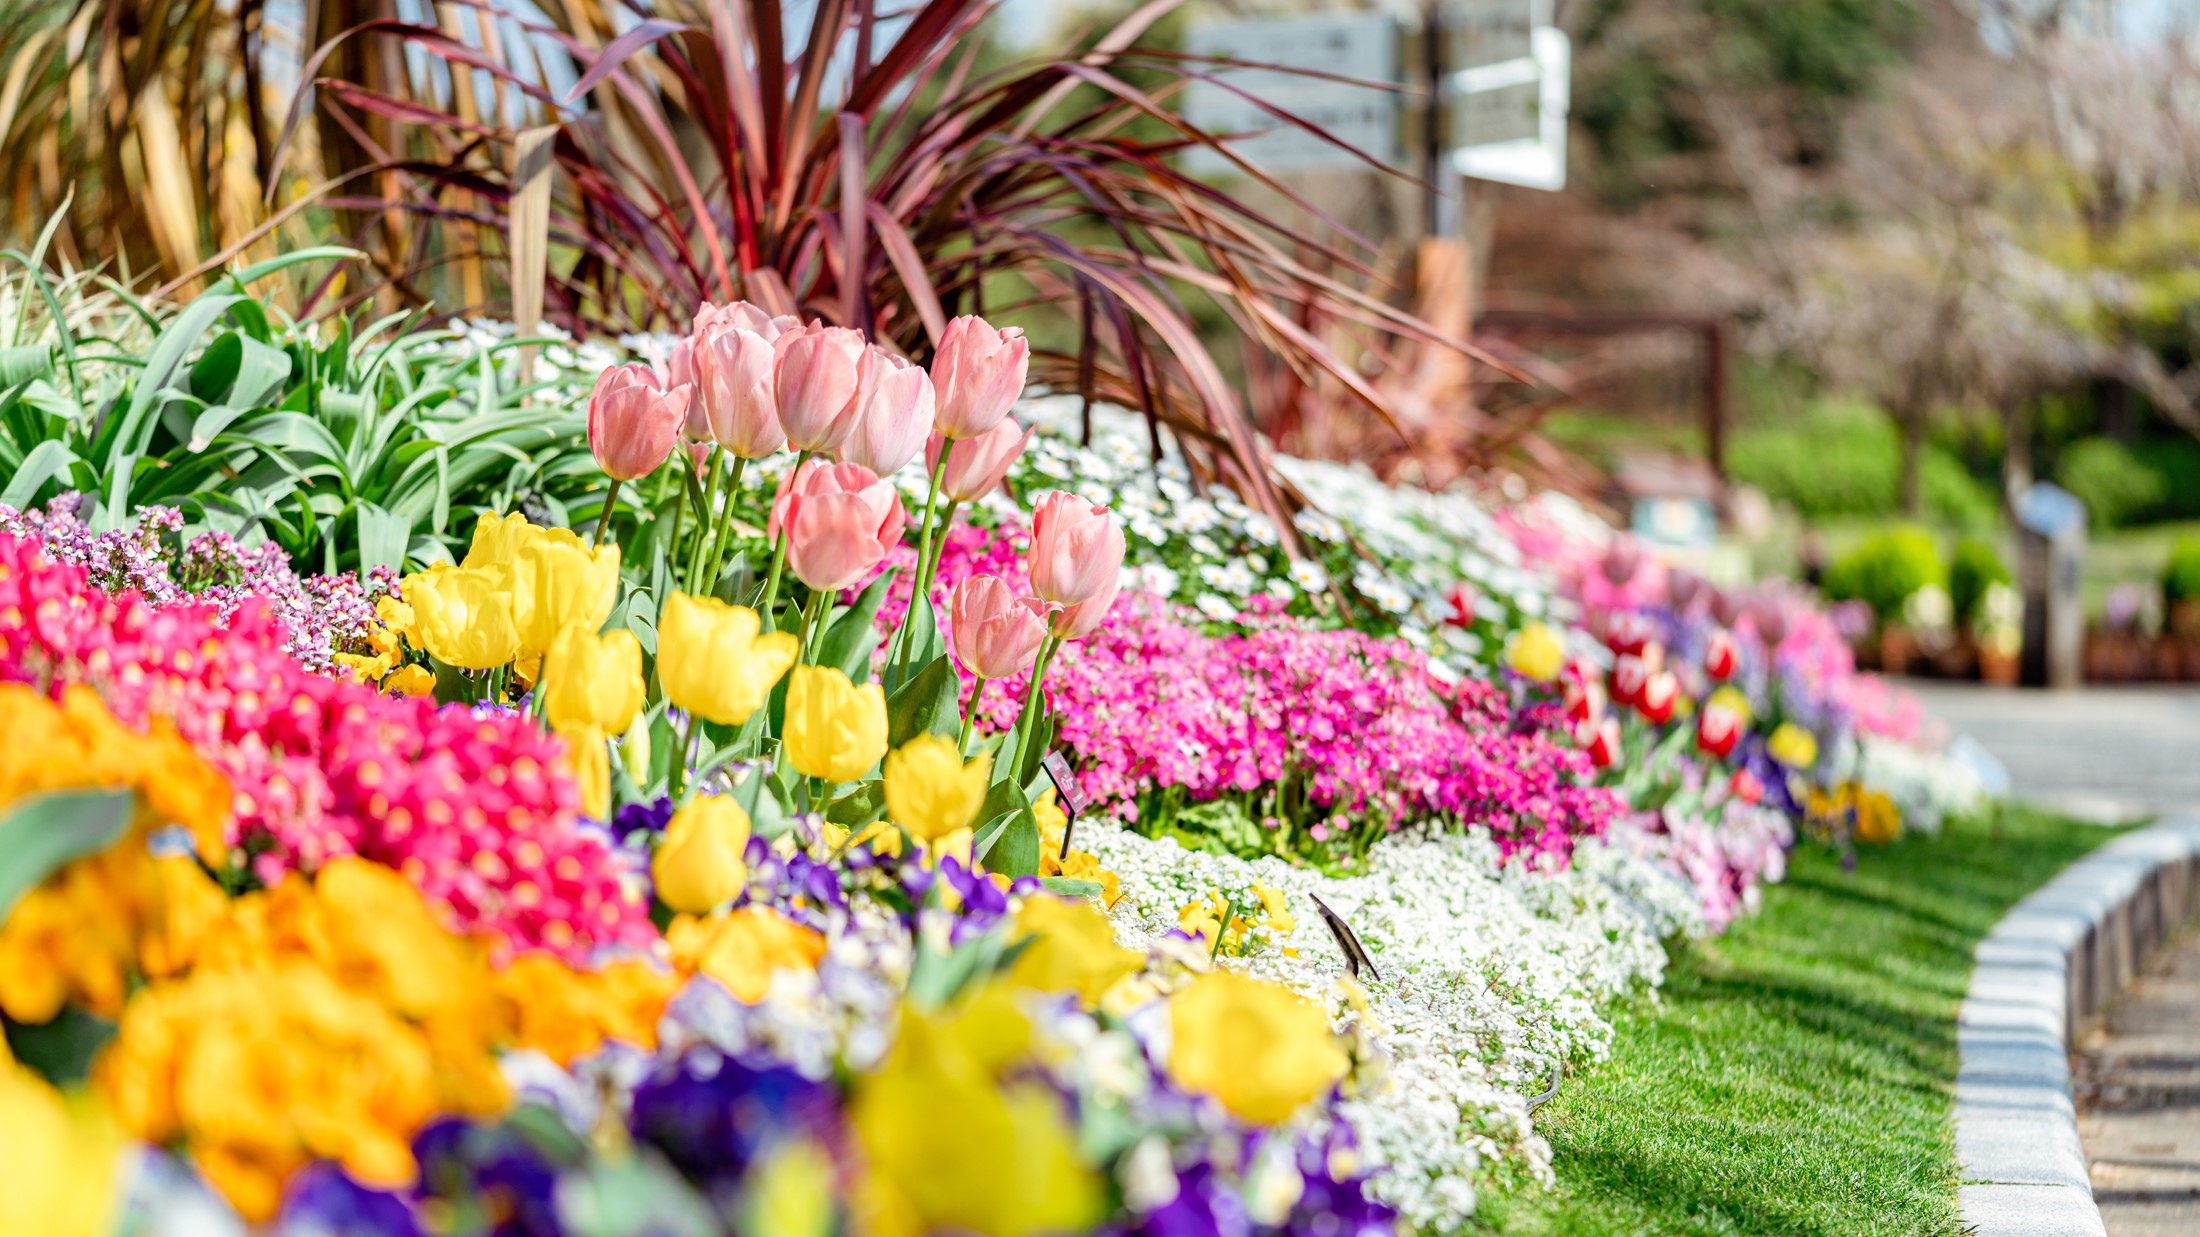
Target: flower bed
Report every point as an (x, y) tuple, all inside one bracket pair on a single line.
[(683, 875)]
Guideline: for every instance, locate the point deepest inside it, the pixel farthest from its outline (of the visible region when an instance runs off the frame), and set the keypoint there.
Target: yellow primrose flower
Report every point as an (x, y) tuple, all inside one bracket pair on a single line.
[(565, 1013), (699, 866), (58, 1176), (1257, 1047), (1793, 746), (835, 730), (592, 682), (498, 539), (743, 949), (1074, 949), (711, 661), (560, 581), (930, 789), (410, 681), (951, 1142), (364, 669), (465, 615), (1535, 652)]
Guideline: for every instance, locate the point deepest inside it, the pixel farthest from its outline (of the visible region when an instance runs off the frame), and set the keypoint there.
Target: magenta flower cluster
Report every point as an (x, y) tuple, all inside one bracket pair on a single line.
[(474, 808), (1334, 732), (321, 616)]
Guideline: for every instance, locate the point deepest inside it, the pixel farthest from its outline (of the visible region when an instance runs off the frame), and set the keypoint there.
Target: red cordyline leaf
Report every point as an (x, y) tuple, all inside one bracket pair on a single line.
[(883, 188)]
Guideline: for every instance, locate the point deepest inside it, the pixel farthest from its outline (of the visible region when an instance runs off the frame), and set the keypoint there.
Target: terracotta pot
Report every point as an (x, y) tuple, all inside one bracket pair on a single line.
[(1959, 660), (1895, 649), (2184, 619), (1998, 669)]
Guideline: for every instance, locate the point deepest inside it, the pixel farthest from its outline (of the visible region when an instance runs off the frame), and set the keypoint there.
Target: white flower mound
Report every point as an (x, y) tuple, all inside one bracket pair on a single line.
[(1490, 980)]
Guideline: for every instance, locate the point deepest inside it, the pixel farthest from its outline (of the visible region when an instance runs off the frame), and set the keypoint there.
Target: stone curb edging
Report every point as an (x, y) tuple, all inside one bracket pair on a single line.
[(2054, 960)]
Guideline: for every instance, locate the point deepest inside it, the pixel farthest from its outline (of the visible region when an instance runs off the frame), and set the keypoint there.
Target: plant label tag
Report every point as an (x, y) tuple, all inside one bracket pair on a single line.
[(1348, 941), (1073, 797)]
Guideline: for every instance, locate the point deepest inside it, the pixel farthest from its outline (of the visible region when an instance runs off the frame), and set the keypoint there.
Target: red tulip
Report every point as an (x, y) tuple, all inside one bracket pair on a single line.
[(1630, 674), (839, 519), (1746, 787), (736, 399), (1718, 729), (996, 633), (815, 372), (979, 372), (1601, 740), (893, 413), (1076, 549), (1584, 697), (1659, 694), (1721, 656), (633, 422), (1078, 621), (1462, 599), (976, 465), (1629, 632)]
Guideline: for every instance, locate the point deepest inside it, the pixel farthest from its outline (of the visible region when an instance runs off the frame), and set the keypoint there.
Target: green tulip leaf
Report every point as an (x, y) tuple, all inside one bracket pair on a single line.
[(43, 833), (928, 703), (848, 643), (1068, 888)]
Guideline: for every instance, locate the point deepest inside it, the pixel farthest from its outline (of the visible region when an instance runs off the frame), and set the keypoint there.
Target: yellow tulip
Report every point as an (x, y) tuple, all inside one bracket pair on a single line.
[(592, 682), (465, 615), (743, 949), (712, 663), (835, 730), (699, 864), (1535, 652), (560, 581), (1793, 746), (589, 761), (1075, 949), (930, 789), (498, 538), (1257, 1047)]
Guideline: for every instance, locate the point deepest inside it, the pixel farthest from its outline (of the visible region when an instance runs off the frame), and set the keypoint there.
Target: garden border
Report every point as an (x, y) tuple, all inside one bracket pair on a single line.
[(2057, 958)]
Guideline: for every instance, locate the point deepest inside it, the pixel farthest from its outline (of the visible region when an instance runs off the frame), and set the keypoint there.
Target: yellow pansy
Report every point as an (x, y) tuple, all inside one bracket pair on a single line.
[(835, 730), (743, 949), (699, 864), (410, 681), (465, 615), (592, 682), (565, 1013), (711, 661), (58, 1176), (1257, 1047), (560, 581), (1535, 652), (1793, 746), (398, 617), (930, 789), (364, 669), (1074, 949)]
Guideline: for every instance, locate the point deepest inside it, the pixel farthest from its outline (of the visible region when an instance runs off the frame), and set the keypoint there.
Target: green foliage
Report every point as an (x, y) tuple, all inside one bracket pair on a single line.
[(1846, 460), (2181, 579), (1826, 1021), (2115, 485), (349, 448), (1885, 569), (1974, 567)]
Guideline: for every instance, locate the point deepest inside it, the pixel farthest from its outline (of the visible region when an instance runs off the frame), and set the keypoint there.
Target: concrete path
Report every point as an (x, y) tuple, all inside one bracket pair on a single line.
[(2117, 754), (2137, 1083), (2103, 753)]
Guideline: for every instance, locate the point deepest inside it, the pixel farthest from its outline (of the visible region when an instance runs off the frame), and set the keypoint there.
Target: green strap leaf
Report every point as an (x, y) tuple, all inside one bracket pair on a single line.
[(38, 467), (929, 701), (43, 833), (849, 642)]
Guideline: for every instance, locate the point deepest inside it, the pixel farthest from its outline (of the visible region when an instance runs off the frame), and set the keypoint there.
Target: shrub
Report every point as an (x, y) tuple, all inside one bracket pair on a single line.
[(2177, 462), (2181, 579), (1883, 571), (1974, 567), (1847, 461), (2118, 487)]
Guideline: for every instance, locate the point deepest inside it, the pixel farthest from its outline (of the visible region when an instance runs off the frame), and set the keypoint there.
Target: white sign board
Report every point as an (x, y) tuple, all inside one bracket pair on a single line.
[(1500, 142), (1362, 47)]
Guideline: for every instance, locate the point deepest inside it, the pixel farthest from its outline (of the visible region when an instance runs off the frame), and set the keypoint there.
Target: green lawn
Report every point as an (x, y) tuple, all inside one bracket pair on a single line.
[(1796, 1074)]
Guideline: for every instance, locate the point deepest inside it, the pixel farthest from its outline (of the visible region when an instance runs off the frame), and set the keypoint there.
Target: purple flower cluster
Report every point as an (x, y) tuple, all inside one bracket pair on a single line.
[(321, 616)]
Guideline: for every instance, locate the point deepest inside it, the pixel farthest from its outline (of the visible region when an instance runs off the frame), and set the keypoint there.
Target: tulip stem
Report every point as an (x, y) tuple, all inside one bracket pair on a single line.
[(921, 590), (770, 595), (678, 772), (696, 554), (1026, 721), (717, 559), (610, 500), (970, 714)]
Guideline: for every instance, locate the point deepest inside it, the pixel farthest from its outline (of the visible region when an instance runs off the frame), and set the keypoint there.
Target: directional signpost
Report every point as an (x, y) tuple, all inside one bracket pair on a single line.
[(1360, 46), (1507, 92)]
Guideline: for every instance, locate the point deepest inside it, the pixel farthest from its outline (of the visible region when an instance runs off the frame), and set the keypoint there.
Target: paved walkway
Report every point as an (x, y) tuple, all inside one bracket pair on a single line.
[(2117, 754)]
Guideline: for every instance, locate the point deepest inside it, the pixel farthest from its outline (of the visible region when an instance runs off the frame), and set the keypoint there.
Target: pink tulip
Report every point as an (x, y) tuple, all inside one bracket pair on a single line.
[(633, 422), (1076, 549), (979, 372), (839, 519), (1078, 621), (976, 465), (997, 633), (734, 391), (815, 372), (893, 413), (680, 364)]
